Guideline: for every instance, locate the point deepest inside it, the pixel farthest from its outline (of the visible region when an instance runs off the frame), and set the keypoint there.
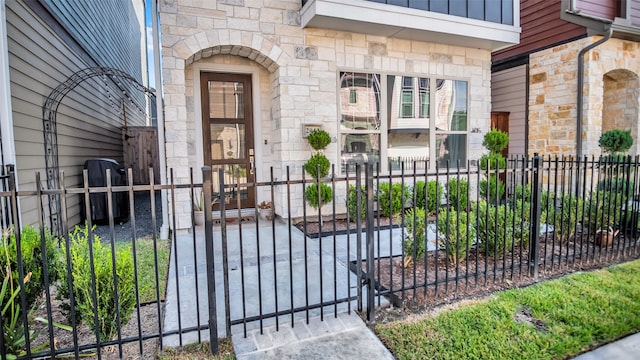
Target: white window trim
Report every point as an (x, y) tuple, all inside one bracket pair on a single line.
[(384, 127)]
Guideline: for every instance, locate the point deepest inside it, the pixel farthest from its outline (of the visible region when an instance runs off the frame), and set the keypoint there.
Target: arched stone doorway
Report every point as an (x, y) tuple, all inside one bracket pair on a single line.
[(620, 104)]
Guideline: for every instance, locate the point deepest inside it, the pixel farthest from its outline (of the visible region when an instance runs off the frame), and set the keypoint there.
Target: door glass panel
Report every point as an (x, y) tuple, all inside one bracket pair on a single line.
[(227, 141), (226, 99), (234, 174)]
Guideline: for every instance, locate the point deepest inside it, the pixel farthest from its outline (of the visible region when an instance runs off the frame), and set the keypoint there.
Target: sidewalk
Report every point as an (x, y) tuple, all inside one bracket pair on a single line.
[(623, 349), (343, 337)]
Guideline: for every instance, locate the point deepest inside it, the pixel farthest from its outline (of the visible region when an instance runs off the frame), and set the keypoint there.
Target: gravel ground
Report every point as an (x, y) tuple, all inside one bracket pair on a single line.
[(144, 226)]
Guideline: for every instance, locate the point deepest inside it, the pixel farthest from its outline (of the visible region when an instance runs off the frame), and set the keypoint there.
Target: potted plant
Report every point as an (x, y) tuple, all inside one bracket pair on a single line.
[(198, 208), (265, 210)]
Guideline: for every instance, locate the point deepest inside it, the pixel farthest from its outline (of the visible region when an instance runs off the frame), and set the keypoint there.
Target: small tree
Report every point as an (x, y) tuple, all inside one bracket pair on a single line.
[(492, 188), (616, 141), (318, 167)]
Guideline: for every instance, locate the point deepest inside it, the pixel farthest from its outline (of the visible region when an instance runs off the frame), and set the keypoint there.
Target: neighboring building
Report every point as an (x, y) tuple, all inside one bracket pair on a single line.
[(536, 81), (43, 43), (243, 80)]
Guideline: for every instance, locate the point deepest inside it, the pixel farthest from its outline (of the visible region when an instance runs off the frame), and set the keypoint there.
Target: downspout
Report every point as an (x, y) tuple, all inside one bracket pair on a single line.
[(580, 102), (6, 118), (164, 228)]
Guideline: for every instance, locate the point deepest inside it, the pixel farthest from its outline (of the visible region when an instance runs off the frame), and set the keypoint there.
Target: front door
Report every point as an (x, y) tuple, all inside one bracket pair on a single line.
[(228, 135)]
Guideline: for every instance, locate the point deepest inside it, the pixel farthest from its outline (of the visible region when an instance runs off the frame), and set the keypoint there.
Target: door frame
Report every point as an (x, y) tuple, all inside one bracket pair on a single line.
[(254, 71), (250, 139)]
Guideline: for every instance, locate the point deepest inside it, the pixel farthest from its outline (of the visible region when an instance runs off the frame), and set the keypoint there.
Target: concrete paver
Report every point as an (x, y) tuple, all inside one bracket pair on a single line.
[(627, 348)]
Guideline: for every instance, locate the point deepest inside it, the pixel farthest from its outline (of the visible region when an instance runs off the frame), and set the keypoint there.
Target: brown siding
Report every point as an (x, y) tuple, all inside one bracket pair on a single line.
[(607, 9), (541, 27)]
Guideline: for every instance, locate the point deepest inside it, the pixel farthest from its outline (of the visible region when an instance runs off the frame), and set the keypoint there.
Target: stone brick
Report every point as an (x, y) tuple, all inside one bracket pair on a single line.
[(538, 78)]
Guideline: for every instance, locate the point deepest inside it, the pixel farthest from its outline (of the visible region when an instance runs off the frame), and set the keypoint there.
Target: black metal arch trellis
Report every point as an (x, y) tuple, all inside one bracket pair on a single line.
[(49, 122)]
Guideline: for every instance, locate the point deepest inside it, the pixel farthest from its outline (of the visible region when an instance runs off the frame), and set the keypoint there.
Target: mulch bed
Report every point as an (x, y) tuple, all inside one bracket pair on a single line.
[(341, 226)]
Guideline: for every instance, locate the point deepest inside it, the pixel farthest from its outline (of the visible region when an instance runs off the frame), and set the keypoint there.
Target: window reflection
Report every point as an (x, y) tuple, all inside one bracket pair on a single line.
[(226, 100), (359, 101)]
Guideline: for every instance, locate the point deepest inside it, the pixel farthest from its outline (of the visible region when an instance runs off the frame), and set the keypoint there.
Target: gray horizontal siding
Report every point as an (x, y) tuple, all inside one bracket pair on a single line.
[(508, 93), (87, 124)]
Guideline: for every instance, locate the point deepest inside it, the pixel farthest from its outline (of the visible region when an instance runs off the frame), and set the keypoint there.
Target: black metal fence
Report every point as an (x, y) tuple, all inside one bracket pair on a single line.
[(410, 238)]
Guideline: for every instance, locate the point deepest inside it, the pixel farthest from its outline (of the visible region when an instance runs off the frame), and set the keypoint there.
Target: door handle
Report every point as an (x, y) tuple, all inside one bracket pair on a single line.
[(251, 165)]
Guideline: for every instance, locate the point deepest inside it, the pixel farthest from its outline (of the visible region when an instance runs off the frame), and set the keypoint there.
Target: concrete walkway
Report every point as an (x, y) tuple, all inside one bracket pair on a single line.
[(627, 348), (281, 270)]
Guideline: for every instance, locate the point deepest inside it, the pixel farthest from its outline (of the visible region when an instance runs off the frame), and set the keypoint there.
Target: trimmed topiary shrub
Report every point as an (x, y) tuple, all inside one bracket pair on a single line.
[(563, 212), (317, 161), (392, 198), (107, 305), (458, 193), (352, 203), (414, 241), (604, 209), (491, 189), (311, 194), (319, 139), (492, 161), (457, 232), (495, 141), (433, 195), (616, 141), (499, 229)]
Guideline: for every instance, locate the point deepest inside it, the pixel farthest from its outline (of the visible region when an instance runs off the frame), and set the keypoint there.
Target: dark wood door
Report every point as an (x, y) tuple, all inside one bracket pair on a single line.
[(500, 121), (228, 135)]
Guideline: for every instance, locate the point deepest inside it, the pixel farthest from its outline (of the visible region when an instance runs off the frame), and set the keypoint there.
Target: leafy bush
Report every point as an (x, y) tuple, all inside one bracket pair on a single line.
[(492, 161), (432, 196), (498, 228), (604, 209), (32, 261), (317, 161), (615, 141), (458, 193), (352, 203), (319, 139), (563, 212), (311, 194), (492, 189), (457, 232), (621, 186), (392, 204), (107, 305), (414, 240), (523, 192), (496, 140)]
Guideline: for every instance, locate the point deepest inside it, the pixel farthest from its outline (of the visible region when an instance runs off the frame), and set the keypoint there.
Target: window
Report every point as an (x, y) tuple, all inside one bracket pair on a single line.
[(424, 118)]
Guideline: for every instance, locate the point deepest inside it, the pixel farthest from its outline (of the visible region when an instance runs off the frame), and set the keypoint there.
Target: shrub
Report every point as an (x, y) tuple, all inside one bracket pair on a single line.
[(458, 193), (604, 209), (432, 196), (498, 229), (352, 203), (317, 161), (615, 141), (414, 240), (621, 186), (32, 261), (392, 198), (523, 192), (492, 189), (457, 232), (104, 284), (563, 212), (496, 140), (319, 139), (311, 194), (492, 161)]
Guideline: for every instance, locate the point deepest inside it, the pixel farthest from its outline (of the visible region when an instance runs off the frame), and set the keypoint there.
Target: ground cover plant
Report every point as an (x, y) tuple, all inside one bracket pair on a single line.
[(554, 319)]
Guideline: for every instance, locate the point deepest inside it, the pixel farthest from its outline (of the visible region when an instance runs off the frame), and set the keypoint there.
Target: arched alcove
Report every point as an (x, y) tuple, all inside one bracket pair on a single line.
[(620, 103)]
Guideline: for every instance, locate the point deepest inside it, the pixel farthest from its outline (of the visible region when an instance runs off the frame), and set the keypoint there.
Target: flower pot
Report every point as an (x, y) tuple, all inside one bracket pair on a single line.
[(266, 214), (198, 217)]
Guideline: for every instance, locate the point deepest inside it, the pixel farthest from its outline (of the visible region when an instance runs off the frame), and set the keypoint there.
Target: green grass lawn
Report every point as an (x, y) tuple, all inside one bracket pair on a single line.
[(146, 267), (550, 320)]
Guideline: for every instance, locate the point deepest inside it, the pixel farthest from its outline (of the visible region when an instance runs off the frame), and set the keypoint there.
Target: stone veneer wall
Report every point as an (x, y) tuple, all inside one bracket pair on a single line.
[(298, 70), (553, 92)]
